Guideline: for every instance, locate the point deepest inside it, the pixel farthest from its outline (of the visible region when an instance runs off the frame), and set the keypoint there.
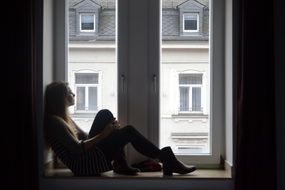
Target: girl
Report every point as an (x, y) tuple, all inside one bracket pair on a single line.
[(92, 154)]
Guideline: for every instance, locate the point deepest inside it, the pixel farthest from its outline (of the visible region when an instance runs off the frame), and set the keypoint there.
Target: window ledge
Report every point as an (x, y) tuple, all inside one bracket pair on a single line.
[(198, 174), (193, 115)]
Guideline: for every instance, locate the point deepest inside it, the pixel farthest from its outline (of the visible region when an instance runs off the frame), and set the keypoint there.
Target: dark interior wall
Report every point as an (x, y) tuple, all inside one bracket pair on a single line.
[(280, 90), (19, 77), (255, 129)]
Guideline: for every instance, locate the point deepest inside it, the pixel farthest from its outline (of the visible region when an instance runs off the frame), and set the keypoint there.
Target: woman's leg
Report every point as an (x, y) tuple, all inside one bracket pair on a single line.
[(116, 141), (119, 138)]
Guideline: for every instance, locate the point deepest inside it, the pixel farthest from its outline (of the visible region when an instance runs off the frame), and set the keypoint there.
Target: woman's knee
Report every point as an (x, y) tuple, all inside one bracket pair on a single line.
[(129, 128)]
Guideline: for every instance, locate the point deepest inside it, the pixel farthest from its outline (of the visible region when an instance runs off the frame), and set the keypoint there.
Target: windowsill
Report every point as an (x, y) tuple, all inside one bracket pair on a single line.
[(198, 174), (83, 115), (201, 173), (182, 115)]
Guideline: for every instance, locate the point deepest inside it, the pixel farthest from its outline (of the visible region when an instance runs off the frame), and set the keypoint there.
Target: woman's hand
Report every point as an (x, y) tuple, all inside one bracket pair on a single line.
[(110, 128), (116, 124)]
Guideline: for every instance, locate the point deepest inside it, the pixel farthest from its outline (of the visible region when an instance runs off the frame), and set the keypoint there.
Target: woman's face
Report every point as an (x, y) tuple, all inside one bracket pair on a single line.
[(70, 97)]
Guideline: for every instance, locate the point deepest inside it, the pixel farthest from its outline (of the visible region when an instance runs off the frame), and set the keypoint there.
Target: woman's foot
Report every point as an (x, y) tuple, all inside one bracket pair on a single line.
[(171, 164), (125, 169)]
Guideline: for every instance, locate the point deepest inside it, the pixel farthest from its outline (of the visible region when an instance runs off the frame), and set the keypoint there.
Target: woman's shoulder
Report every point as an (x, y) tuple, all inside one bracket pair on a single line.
[(56, 125), (56, 120)]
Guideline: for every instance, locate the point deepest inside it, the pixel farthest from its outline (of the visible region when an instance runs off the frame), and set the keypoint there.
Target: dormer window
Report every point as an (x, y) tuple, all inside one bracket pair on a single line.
[(190, 22), (87, 22)]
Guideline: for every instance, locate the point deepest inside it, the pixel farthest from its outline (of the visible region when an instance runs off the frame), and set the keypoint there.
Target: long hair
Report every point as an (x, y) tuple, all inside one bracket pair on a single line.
[(55, 102)]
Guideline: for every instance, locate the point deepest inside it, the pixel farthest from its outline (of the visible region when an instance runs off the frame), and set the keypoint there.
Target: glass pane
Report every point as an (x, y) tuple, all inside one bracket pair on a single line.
[(190, 79), (190, 24), (92, 61), (92, 98), (184, 99), (184, 106), (80, 98), (87, 22), (196, 99), (86, 78)]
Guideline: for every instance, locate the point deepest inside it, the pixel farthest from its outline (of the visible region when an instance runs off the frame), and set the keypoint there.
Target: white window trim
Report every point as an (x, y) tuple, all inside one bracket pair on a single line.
[(99, 90), (80, 26), (187, 14), (86, 88), (191, 86), (45, 183), (217, 94), (216, 88)]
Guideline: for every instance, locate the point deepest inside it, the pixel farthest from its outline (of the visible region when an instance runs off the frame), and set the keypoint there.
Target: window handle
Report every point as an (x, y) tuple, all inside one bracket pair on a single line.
[(123, 78), (154, 81)]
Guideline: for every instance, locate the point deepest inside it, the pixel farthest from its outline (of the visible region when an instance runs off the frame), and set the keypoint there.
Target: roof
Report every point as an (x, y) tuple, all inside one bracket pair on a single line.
[(165, 3), (106, 27), (103, 3)]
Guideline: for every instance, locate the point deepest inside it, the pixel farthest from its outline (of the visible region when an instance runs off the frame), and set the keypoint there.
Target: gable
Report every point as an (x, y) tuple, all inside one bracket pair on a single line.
[(86, 4), (193, 4)]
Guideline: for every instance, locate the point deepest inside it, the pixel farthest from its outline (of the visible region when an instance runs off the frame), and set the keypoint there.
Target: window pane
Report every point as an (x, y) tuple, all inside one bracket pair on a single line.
[(80, 98), (190, 79), (86, 78), (190, 25), (92, 58), (92, 98), (196, 99), (184, 73), (190, 22), (87, 22), (184, 99)]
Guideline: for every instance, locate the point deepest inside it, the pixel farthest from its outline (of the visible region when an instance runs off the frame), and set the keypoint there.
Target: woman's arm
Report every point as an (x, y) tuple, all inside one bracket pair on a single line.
[(106, 132), (80, 133), (58, 130)]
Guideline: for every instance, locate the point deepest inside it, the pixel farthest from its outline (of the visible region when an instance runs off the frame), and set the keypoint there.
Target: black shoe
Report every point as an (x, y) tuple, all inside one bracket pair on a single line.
[(125, 170), (172, 165), (121, 166)]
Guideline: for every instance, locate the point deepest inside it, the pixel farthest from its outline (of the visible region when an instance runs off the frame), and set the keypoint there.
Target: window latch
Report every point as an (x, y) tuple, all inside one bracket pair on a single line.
[(123, 78), (154, 81)]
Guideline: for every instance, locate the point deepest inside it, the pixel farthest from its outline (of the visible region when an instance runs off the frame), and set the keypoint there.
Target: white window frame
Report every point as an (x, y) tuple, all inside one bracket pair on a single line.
[(191, 14), (99, 91), (217, 91), (59, 73), (80, 22), (191, 86), (216, 76), (86, 106)]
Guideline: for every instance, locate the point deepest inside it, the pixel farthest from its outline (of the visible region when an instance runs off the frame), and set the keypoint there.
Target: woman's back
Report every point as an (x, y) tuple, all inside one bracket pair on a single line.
[(70, 151)]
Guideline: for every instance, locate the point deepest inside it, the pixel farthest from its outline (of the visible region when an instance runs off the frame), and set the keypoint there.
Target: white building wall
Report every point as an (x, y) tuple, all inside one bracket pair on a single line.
[(98, 60)]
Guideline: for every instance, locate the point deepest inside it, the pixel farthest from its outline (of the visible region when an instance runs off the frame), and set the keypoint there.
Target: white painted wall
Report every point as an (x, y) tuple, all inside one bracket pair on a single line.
[(229, 83), (47, 58)]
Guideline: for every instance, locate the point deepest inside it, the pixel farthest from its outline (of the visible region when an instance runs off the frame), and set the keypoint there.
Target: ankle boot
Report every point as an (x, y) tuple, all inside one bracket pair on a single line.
[(121, 166), (171, 164)]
